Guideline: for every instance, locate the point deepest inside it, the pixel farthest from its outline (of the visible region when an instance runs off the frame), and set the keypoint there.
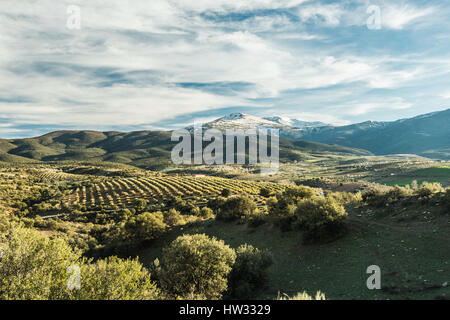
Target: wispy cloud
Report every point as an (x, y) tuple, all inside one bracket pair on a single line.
[(140, 64)]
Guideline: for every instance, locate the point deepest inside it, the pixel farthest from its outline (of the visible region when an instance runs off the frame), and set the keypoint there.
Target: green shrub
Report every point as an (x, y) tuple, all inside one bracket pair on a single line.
[(376, 195), (284, 204), (140, 205), (146, 226), (226, 193), (249, 273), (33, 267), (265, 192), (427, 189), (236, 207), (173, 217), (322, 219), (206, 213), (115, 279), (196, 265)]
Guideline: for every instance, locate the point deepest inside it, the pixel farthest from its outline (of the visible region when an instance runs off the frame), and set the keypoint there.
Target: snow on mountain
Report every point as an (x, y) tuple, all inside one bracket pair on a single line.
[(246, 121), (294, 123), (241, 121)]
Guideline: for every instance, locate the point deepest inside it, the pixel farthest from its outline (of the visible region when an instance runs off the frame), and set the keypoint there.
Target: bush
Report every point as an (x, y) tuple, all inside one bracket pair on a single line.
[(173, 217), (146, 226), (236, 207), (376, 196), (427, 189), (284, 204), (249, 272), (302, 296), (116, 279), (206, 213), (322, 219), (226, 193), (196, 266), (35, 267), (140, 205), (265, 192)]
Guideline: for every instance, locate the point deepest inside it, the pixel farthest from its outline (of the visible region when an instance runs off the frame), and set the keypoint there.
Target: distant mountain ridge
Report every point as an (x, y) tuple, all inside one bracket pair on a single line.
[(426, 135)]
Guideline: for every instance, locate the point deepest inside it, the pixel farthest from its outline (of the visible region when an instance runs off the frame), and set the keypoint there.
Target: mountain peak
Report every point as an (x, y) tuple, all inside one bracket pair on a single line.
[(234, 116)]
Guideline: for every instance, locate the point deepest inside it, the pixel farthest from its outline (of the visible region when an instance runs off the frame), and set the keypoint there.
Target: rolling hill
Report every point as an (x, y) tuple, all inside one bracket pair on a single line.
[(145, 149)]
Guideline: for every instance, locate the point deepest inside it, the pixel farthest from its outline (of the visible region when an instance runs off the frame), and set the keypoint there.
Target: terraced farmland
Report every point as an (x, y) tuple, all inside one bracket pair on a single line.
[(125, 191)]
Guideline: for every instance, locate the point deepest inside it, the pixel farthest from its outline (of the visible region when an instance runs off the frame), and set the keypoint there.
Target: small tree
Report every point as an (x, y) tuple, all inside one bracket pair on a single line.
[(115, 279), (196, 266), (427, 189), (173, 217), (249, 272), (140, 205), (322, 219), (226, 193), (206, 213), (146, 226), (265, 192), (236, 207)]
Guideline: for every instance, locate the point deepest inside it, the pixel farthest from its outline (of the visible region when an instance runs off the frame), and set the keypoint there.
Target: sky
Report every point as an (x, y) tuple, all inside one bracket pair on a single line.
[(165, 64)]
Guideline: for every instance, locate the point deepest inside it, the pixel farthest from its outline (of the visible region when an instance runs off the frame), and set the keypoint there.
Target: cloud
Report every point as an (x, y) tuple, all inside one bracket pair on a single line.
[(142, 64), (396, 16)]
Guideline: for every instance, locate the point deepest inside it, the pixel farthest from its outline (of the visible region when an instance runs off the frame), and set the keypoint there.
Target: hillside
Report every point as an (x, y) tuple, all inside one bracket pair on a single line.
[(427, 135), (146, 149)]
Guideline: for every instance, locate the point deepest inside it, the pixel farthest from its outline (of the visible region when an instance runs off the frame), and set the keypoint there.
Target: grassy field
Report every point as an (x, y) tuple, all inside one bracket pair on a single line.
[(435, 174), (413, 259)]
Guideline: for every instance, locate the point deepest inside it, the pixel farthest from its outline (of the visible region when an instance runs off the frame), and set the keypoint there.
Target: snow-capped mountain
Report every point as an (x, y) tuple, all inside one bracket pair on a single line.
[(246, 121), (241, 121), (427, 134), (295, 123)]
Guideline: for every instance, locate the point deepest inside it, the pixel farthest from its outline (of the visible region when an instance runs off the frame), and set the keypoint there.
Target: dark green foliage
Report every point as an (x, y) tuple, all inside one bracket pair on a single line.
[(265, 192), (173, 217), (146, 226), (196, 266), (322, 219), (427, 189), (226, 193), (282, 207), (236, 207), (140, 205), (35, 267), (249, 273)]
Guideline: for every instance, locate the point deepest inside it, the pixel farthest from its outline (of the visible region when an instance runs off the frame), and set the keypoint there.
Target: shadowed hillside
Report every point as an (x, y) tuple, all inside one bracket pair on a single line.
[(146, 149)]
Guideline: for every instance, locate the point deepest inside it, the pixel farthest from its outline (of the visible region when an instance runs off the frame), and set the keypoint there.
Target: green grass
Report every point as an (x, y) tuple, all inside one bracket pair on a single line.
[(436, 174), (337, 269)]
